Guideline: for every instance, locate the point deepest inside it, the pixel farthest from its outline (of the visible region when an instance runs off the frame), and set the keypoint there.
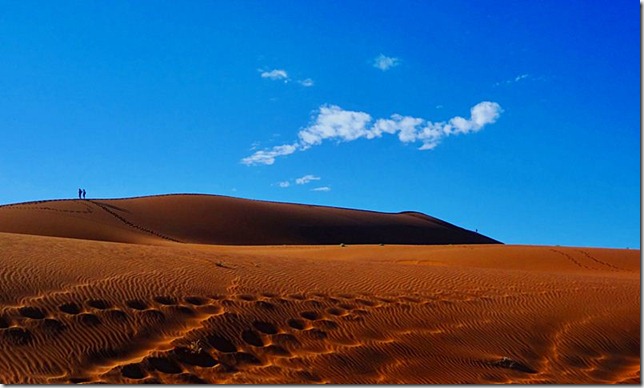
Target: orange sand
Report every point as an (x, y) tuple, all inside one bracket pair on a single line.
[(153, 310)]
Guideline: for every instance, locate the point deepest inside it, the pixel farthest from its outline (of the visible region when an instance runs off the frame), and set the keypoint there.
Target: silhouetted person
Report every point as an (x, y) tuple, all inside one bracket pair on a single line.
[(84, 193), (80, 193)]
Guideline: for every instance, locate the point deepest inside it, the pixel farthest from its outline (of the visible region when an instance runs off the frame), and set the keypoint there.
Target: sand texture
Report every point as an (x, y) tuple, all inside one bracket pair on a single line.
[(156, 311)]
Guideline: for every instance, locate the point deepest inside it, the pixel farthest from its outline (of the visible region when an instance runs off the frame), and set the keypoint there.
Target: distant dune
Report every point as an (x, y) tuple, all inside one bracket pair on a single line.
[(147, 304), (210, 219)]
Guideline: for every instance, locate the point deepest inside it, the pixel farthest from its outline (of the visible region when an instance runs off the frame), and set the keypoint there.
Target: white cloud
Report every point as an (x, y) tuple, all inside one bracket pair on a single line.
[(276, 74), (284, 184), (335, 123), (385, 63), (281, 74), (306, 82), (306, 179), (520, 77), (323, 188), (268, 157)]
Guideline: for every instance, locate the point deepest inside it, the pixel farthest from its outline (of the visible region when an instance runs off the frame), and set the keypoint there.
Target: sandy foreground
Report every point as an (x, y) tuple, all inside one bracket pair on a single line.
[(76, 310)]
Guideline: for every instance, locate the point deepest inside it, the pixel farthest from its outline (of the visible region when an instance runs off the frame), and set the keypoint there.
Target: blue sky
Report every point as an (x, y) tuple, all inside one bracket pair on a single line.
[(527, 112)]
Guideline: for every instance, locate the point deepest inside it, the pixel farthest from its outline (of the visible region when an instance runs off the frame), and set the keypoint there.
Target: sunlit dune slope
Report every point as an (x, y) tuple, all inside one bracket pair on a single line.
[(89, 311), (209, 219)]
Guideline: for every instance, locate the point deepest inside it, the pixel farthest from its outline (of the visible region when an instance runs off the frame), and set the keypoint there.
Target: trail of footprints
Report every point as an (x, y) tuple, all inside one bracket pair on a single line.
[(229, 336), (257, 343), (596, 261), (246, 342)]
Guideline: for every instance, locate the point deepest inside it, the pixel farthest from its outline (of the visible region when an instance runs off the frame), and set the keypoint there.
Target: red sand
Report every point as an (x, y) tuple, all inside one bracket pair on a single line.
[(153, 310)]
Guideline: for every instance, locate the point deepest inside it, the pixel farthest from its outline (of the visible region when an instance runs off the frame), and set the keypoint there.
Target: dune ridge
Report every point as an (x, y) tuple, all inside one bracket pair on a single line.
[(210, 219)]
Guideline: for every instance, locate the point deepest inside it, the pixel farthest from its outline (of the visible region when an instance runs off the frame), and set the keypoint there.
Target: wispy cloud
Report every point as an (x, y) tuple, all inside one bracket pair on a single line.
[(268, 156), (306, 179), (282, 75), (334, 123), (323, 188), (516, 79), (275, 74), (520, 77), (306, 82), (284, 184), (385, 63)]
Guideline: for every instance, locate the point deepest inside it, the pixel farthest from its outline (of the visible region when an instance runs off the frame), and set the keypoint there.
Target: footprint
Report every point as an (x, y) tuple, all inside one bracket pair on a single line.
[(277, 351), (252, 338), (310, 315), (195, 357), (78, 380), (164, 364), (195, 300), (32, 312), (297, 296), (88, 319), (136, 304), (338, 312), (247, 358), (265, 327), (165, 300), (17, 335), (189, 378), (269, 294), (133, 371), (297, 323), (220, 343), (99, 304), (211, 309), (4, 322), (247, 297), (316, 334), (70, 308)]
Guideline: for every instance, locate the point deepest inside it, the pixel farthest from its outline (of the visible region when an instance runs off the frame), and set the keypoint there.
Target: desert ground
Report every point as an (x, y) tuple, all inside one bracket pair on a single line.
[(209, 289)]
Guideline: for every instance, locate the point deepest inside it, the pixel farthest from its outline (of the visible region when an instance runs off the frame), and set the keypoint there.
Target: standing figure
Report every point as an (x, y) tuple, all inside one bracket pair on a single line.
[(80, 193), (84, 193)]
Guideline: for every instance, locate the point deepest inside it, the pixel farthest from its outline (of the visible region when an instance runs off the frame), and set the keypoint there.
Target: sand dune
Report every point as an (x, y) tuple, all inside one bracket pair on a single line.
[(209, 219), (76, 310), (136, 291)]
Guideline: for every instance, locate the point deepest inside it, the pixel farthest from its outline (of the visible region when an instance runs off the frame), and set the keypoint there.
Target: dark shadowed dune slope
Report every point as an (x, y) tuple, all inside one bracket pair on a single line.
[(210, 219)]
